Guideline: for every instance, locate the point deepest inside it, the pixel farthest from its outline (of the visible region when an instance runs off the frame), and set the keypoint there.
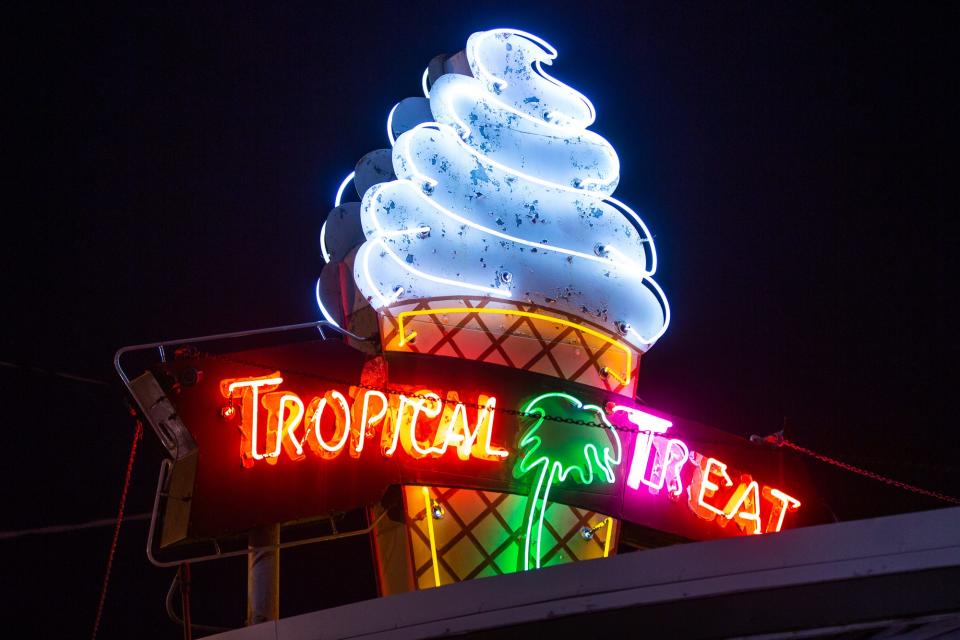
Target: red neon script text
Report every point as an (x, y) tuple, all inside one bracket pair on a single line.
[(418, 421)]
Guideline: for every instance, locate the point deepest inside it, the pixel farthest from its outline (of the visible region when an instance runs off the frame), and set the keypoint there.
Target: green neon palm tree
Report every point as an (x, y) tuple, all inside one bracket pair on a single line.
[(560, 450)]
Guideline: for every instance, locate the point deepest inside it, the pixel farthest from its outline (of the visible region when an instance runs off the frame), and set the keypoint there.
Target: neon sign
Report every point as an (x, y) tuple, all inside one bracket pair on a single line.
[(658, 462), (418, 421), (559, 440), (557, 454), (493, 204), (590, 450), (579, 443)]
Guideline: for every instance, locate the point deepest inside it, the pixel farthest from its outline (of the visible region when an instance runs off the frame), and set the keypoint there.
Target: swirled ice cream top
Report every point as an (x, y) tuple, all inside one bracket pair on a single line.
[(507, 194)]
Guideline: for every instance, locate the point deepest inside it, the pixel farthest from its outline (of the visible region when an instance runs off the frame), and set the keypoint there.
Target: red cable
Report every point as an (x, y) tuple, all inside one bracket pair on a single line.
[(116, 530), (865, 473)]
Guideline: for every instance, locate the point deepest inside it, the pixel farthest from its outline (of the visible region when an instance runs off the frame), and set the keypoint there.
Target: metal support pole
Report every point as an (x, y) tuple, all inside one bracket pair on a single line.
[(263, 574)]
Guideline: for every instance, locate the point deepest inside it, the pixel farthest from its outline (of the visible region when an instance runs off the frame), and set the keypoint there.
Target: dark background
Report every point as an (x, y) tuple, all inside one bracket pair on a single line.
[(172, 166)]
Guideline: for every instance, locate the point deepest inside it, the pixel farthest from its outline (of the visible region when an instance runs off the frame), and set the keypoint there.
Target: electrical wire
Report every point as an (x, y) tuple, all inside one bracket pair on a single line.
[(137, 433), (54, 373), (70, 528)]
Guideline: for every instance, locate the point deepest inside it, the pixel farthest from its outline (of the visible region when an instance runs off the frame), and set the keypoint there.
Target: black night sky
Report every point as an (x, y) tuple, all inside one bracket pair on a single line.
[(171, 167)]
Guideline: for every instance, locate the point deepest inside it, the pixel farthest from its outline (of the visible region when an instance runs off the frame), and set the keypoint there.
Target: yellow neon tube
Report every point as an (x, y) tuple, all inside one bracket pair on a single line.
[(528, 314), (433, 539), (606, 542)]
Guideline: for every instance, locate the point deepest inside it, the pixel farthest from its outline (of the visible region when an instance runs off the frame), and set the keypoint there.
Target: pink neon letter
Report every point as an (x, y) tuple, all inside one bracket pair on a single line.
[(646, 425)]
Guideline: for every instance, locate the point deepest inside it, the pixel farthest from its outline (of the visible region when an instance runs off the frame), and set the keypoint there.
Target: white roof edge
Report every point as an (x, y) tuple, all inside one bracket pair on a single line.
[(825, 553)]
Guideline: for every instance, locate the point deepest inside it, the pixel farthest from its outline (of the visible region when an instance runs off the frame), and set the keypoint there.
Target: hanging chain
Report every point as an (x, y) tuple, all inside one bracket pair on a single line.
[(867, 473)]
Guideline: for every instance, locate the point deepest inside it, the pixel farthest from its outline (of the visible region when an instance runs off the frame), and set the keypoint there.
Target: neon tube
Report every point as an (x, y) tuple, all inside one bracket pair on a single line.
[(499, 293), (647, 425), (366, 421), (286, 424), (403, 338), (786, 503), (390, 125), (551, 55), (318, 414), (254, 385), (606, 541), (707, 485), (439, 126), (630, 265), (666, 314), (745, 496), (419, 406), (323, 310), (343, 186), (550, 468), (323, 243), (433, 540)]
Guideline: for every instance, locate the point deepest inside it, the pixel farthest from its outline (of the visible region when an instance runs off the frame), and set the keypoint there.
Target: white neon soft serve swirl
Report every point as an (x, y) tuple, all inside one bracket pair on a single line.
[(507, 194)]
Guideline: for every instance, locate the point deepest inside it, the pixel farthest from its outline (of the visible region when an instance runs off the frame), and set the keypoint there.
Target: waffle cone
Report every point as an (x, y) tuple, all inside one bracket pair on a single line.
[(480, 533), (519, 335)]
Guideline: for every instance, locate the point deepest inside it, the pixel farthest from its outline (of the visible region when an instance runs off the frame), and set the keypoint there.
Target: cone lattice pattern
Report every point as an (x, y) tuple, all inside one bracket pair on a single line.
[(480, 533), (531, 339)]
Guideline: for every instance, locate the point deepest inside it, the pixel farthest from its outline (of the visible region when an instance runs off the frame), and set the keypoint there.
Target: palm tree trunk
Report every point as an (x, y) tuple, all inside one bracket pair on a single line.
[(538, 507)]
